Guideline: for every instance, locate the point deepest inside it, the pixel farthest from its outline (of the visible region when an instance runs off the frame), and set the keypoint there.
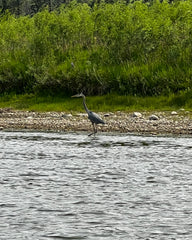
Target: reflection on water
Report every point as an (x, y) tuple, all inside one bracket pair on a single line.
[(70, 186)]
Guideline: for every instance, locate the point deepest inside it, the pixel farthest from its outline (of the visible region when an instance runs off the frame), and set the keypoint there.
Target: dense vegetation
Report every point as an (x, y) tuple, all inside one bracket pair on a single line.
[(30, 7), (136, 49)]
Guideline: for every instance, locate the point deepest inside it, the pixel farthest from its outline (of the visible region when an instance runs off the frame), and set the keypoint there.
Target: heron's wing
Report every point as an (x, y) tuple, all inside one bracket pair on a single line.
[(95, 118)]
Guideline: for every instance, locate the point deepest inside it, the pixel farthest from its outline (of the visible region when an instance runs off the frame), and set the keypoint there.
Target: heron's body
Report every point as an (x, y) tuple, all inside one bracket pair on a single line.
[(93, 117)]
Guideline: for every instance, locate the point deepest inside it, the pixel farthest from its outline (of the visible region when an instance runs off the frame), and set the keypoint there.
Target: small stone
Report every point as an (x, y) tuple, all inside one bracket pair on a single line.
[(137, 114), (154, 117), (81, 114), (173, 113), (66, 115), (106, 114)]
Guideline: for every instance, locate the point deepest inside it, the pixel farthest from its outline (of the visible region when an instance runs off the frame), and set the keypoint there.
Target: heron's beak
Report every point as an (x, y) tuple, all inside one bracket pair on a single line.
[(77, 95)]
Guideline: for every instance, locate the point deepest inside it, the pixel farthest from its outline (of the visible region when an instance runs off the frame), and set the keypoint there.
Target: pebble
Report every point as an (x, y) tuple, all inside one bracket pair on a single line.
[(137, 114), (154, 117), (173, 113), (81, 114), (66, 115)]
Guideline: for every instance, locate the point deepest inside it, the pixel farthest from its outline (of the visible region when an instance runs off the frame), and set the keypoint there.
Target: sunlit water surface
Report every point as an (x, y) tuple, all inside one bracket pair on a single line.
[(110, 187)]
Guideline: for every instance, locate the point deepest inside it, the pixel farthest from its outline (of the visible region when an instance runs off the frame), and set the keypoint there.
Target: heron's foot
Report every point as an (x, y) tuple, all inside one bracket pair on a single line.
[(93, 133), (90, 134), (94, 130)]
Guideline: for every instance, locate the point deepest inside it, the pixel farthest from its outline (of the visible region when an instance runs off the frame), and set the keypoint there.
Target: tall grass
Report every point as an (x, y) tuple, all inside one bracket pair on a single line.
[(131, 49)]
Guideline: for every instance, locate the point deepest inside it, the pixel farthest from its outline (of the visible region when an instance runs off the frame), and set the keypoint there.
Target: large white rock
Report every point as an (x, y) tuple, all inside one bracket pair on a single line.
[(137, 114), (173, 113)]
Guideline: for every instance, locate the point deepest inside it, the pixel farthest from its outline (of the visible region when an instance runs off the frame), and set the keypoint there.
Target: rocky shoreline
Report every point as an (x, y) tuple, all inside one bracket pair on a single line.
[(153, 123)]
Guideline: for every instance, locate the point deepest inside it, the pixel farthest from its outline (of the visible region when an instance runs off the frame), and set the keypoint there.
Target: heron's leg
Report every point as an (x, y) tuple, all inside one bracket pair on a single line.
[(93, 130)]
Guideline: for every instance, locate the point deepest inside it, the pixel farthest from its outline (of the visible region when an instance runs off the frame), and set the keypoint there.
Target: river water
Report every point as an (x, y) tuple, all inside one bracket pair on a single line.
[(108, 187)]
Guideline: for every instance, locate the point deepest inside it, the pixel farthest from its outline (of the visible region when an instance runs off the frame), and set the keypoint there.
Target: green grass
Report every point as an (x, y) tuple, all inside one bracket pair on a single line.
[(110, 102)]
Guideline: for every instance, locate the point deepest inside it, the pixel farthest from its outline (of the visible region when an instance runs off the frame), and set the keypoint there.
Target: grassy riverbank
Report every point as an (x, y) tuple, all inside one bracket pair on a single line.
[(105, 103)]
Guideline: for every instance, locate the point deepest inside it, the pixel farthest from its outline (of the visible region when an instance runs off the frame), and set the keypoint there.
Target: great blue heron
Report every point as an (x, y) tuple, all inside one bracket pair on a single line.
[(93, 117)]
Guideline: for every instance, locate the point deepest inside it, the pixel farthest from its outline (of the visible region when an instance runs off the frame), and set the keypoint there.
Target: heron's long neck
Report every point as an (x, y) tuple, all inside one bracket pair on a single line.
[(84, 104)]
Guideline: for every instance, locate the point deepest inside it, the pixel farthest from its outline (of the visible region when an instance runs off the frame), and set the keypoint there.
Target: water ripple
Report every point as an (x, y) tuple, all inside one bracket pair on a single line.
[(70, 186)]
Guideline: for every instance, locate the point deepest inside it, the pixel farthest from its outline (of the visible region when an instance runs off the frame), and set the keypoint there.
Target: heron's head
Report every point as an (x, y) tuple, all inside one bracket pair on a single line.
[(78, 95)]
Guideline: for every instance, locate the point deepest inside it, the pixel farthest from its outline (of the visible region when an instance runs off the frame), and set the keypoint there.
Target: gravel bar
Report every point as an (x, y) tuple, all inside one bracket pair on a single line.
[(153, 123)]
